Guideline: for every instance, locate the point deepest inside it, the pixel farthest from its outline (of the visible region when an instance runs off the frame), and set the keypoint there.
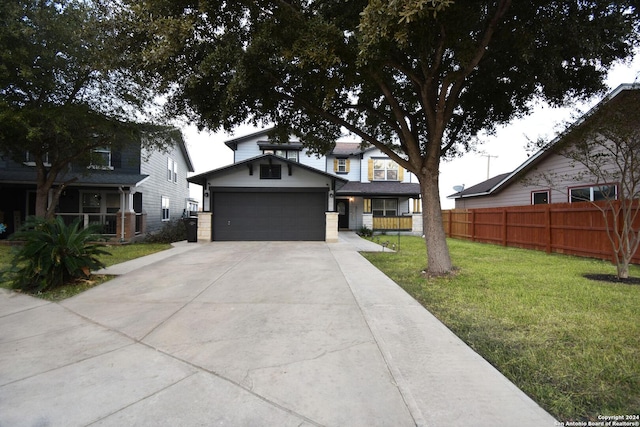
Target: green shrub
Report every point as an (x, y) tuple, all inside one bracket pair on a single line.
[(53, 254), (365, 231), (172, 231)]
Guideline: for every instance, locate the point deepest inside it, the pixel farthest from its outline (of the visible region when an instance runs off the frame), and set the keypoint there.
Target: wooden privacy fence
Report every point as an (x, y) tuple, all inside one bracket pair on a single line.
[(568, 228)]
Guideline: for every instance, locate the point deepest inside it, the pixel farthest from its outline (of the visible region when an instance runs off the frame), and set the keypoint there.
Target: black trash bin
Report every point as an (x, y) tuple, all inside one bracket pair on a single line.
[(192, 228)]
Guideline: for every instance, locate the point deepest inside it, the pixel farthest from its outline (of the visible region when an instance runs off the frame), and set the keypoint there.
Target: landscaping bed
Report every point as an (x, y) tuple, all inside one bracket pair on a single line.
[(117, 254)]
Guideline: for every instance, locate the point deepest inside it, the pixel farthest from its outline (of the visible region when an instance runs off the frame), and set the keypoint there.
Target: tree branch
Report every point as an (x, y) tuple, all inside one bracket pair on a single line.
[(449, 96)]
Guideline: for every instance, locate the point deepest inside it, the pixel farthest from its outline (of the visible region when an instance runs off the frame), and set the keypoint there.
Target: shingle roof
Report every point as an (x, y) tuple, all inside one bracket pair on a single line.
[(95, 178), (483, 187), (381, 188), (347, 149)]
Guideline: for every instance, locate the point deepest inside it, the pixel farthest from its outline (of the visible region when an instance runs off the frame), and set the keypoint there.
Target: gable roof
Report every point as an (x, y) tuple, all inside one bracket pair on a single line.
[(482, 188), (497, 183), (179, 139), (185, 153), (233, 143), (344, 149), (347, 149), (201, 178)]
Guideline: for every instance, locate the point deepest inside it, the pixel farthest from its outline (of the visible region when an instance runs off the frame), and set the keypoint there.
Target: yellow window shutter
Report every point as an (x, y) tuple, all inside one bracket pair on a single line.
[(348, 165), (370, 169), (417, 205), (335, 165), (367, 205), (400, 173)]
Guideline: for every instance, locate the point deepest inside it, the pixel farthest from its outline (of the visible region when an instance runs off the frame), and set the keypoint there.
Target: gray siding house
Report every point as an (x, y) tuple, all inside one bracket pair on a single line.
[(282, 192), (133, 191), (547, 176)]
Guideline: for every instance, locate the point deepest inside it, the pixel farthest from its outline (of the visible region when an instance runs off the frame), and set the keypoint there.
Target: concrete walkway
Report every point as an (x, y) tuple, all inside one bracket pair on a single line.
[(246, 334)]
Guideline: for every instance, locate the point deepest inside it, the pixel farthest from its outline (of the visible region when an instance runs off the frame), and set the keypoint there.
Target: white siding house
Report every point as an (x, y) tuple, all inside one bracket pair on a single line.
[(166, 191), (363, 188)]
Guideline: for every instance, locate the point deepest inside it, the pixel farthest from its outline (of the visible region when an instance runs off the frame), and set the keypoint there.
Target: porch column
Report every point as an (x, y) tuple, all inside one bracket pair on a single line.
[(416, 224), (367, 220), (204, 227), (416, 220), (129, 203), (126, 217), (331, 232), (367, 215)]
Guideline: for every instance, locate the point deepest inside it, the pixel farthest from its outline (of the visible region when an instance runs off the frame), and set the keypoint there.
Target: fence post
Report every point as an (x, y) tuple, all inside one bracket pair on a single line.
[(450, 229), (547, 226), (504, 227), (472, 225)]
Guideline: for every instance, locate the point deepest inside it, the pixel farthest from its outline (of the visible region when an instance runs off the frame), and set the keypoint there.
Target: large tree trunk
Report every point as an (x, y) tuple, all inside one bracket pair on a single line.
[(44, 183), (42, 198), (42, 191), (438, 258)]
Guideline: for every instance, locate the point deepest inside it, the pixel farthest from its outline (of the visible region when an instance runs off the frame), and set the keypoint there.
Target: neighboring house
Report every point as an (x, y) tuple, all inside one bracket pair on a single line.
[(138, 188), (525, 185), (282, 192)]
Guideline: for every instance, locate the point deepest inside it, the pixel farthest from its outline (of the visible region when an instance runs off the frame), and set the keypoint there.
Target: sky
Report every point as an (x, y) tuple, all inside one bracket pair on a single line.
[(506, 148)]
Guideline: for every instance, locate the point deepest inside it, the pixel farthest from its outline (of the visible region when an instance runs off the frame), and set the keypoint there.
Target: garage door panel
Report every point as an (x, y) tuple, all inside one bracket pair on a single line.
[(269, 216)]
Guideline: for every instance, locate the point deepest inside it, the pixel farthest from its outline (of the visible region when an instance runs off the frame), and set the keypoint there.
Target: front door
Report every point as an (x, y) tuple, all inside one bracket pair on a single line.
[(343, 213)]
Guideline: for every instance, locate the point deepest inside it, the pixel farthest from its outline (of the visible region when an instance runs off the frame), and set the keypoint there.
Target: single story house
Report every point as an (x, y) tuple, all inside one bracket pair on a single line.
[(549, 176)]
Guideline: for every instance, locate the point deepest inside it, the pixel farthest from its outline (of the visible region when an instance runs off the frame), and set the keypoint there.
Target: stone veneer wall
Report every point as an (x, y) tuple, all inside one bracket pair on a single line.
[(416, 221), (331, 232), (204, 227)]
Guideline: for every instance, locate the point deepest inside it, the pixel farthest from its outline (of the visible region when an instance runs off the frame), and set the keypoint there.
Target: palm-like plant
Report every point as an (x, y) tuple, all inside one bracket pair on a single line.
[(54, 254)]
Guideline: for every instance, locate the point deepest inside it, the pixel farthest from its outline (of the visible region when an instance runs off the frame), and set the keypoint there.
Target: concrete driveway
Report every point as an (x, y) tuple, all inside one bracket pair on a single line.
[(246, 334)]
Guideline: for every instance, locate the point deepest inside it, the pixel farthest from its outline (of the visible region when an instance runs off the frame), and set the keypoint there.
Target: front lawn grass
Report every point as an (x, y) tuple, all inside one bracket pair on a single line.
[(571, 344), (122, 253), (118, 254)]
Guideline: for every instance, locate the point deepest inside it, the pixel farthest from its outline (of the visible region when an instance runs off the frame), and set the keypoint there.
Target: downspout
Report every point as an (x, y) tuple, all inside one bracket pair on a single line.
[(122, 217)]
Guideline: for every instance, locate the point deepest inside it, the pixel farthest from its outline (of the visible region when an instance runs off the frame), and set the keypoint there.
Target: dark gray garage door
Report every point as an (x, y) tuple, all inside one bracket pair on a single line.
[(269, 216)]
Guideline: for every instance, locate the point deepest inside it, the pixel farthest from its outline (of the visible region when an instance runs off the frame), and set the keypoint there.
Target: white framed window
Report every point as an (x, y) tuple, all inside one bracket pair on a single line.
[(166, 212), (169, 169), (101, 158), (384, 207), (287, 154), (30, 159), (175, 171), (540, 197), (385, 170), (593, 193), (342, 166)]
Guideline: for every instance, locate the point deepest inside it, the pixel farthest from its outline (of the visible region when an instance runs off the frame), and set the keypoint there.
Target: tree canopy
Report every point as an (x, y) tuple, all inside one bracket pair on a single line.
[(416, 78), (66, 85)]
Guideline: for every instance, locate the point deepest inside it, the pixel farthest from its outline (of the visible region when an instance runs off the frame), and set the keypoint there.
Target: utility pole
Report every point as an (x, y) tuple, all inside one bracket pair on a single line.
[(489, 156)]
